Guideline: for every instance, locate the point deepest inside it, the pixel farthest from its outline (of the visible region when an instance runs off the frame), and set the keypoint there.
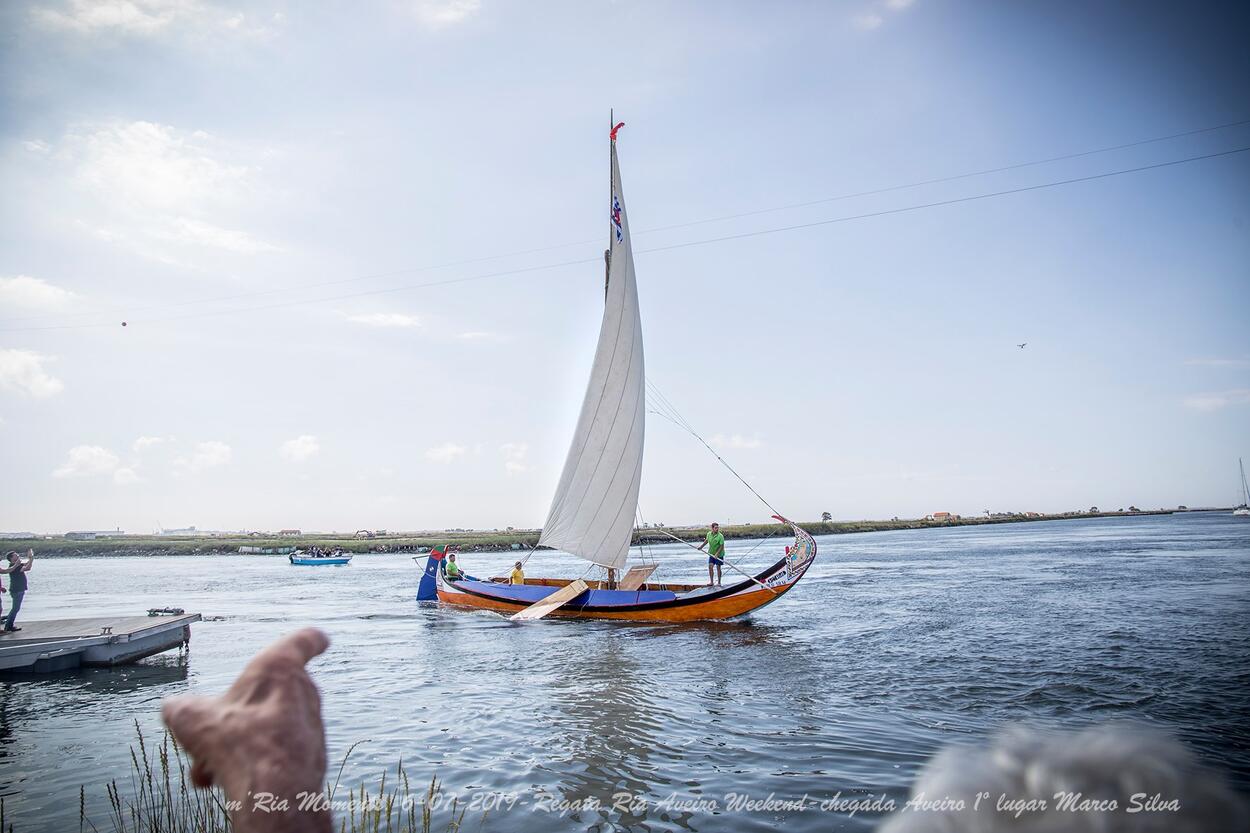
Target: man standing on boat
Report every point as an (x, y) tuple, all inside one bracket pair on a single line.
[(715, 544)]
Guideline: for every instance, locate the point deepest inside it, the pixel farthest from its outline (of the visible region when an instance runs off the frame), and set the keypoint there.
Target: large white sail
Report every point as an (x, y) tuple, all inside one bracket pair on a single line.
[(592, 513)]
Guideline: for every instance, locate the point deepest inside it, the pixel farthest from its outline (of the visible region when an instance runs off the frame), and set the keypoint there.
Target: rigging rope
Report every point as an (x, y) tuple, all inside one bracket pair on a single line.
[(687, 427), (724, 560)]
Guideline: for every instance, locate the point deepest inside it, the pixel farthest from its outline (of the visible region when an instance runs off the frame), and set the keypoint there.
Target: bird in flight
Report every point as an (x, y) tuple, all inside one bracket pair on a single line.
[(1021, 346)]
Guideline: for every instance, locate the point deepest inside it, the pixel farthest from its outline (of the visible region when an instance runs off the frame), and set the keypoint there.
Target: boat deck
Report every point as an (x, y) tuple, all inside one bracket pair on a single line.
[(58, 644)]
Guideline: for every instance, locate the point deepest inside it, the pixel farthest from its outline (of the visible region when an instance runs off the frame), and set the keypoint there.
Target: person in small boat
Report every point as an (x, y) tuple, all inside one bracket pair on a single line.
[(715, 544), (518, 575), (451, 569)]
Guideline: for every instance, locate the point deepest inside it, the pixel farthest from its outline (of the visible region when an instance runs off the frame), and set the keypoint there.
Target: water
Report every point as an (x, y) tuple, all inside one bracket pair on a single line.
[(895, 644)]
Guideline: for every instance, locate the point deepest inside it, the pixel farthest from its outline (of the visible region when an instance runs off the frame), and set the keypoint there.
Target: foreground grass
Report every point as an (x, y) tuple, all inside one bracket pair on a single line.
[(482, 541), (158, 797)]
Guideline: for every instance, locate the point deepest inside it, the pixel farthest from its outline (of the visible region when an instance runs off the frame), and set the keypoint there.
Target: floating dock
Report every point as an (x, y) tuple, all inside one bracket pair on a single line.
[(58, 644)]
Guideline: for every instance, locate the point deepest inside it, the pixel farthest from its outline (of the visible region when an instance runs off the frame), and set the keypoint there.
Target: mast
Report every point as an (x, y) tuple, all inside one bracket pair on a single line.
[(607, 253), (596, 501)]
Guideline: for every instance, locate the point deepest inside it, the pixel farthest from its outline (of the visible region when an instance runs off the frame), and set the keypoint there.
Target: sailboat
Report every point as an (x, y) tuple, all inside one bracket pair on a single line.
[(1243, 511), (593, 510)]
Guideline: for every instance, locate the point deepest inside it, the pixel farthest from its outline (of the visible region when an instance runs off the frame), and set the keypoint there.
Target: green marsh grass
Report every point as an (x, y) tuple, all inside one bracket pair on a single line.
[(157, 797)]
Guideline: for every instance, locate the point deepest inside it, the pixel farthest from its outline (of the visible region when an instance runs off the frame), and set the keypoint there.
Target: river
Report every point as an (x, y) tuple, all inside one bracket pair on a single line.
[(895, 644)]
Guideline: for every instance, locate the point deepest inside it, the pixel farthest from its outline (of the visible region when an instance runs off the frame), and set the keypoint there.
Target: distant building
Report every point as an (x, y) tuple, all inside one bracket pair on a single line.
[(187, 530), (17, 536), (91, 535), (289, 533), (942, 516)]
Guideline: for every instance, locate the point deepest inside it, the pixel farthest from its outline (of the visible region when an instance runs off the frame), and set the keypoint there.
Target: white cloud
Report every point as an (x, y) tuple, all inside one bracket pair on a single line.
[(125, 476), (154, 166), (514, 457), (158, 188), (868, 21), (143, 17), (1218, 400), (479, 335), (300, 449), (1215, 362), (207, 455), (736, 441), (33, 293), (36, 146), (22, 371), (200, 233), (144, 443), (899, 5), (445, 453), (440, 14), (147, 18), (385, 319), (87, 460)]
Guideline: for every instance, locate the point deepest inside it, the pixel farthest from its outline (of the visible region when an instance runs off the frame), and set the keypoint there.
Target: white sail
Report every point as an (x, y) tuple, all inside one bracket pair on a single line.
[(592, 513)]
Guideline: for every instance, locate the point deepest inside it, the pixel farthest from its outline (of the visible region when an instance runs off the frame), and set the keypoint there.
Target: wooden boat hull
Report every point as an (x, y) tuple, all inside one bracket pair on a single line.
[(654, 602)]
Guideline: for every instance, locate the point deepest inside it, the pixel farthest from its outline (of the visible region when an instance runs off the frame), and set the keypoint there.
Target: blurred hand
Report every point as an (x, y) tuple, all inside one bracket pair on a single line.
[(264, 735)]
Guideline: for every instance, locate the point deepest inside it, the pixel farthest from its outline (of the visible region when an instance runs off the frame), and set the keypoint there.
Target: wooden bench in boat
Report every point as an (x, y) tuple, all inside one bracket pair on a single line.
[(636, 577), (557, 599)]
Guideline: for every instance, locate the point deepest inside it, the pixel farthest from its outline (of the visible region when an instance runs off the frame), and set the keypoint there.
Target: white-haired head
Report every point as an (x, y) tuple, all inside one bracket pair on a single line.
[(1107, 779)]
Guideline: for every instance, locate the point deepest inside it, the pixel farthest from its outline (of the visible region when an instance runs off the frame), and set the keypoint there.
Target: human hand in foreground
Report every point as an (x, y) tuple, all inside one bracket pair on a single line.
[(264, 735)]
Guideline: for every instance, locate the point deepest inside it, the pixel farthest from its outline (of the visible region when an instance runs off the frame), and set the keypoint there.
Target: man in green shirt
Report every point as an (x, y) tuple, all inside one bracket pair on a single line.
[(715, 544), (451, 568)]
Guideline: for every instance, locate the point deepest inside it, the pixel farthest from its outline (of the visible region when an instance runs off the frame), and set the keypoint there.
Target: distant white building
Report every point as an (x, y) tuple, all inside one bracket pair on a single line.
[(91, 535)]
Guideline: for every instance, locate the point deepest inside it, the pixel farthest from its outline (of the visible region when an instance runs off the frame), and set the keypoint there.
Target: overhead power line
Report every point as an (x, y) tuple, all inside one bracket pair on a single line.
[(682, 245), (756, 212)]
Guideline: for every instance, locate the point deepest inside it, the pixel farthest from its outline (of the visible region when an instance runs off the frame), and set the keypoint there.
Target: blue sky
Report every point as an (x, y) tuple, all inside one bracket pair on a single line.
[(158, 154)]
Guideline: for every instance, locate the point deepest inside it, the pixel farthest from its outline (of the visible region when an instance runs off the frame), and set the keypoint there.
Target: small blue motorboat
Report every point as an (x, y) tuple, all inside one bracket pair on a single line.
[(302, 559)]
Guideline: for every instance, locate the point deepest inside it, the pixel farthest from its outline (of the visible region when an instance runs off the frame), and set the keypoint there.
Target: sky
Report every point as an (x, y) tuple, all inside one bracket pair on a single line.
[(358, 252)]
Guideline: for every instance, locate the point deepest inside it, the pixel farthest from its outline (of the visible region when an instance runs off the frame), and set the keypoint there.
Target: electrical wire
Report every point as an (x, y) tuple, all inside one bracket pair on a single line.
[(682, 245), (686, 224)]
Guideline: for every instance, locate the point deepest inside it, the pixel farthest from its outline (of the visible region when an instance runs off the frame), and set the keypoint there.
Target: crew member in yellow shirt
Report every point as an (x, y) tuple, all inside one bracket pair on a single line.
[(518, 576)]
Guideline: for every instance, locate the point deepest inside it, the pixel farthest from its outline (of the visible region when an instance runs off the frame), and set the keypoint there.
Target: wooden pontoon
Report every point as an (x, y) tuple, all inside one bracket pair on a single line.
[(58, 644)]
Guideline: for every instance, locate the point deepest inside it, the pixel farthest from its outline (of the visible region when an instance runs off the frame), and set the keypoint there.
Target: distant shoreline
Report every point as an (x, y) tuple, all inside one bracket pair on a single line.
[(485, 541)]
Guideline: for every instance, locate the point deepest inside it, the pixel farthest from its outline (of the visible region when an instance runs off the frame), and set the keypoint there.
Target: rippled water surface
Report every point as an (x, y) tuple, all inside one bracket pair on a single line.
[(895, 644)]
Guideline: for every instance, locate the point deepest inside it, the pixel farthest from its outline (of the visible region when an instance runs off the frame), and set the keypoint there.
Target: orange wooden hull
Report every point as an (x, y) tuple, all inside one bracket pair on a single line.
[(733, 606)]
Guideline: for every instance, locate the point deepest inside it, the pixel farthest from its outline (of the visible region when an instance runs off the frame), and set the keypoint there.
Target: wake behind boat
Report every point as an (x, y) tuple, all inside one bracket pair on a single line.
[(593, 511)]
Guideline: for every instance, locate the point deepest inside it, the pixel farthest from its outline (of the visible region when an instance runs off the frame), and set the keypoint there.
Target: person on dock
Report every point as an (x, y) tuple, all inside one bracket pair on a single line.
[(518, 575), (16, 570), (715, 544)]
